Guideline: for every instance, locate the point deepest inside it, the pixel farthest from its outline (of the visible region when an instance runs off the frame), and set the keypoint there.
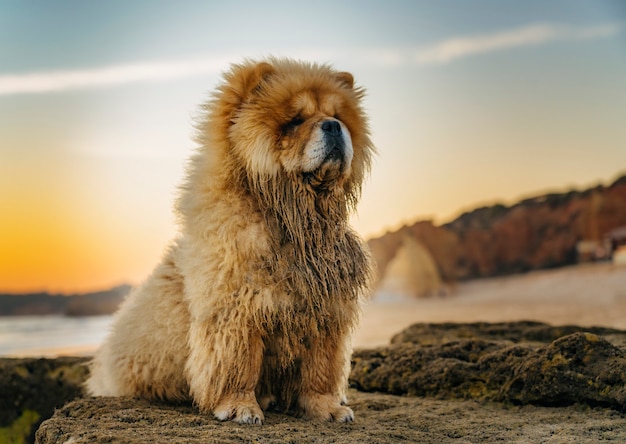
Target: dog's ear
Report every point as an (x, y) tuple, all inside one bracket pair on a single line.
[(346, 79), (250, 78), (239, 84), (262, 72)]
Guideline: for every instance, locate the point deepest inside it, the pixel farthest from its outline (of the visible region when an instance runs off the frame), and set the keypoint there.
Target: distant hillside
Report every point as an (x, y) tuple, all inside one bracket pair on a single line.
[(540, 232), (90, 304)]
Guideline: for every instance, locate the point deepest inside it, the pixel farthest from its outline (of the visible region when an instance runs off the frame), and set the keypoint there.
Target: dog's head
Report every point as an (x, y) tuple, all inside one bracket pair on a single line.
[(305, 121)]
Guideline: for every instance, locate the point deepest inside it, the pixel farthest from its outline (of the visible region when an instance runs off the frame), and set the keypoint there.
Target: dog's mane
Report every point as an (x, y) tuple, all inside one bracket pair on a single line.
[(316, 254)]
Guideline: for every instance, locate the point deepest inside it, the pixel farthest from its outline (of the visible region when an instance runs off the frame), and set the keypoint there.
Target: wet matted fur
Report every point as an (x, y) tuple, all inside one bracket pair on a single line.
[(254, 304)]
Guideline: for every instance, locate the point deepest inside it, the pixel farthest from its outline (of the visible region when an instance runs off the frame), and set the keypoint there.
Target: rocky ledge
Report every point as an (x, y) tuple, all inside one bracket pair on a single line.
[(518, 363), (380, 418), (511, 382)]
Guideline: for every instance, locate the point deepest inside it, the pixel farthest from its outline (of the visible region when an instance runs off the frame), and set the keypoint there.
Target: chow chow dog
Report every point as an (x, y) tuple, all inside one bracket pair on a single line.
[(253, 306)]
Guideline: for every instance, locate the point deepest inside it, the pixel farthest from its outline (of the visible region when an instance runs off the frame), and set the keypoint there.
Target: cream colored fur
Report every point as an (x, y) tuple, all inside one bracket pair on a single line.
[(254, 304)]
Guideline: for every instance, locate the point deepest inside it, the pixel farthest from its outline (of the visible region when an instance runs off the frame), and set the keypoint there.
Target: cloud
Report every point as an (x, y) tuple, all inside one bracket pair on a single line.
[(108, 76), (531, 35), (436, 54)]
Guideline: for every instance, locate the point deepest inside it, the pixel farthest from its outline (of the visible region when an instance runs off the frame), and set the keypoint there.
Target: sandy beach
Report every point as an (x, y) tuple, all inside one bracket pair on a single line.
[(587, 295)]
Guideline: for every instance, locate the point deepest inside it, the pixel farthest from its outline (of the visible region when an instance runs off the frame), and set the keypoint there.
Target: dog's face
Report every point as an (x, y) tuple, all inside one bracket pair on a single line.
[(315, 138), (301, 120)]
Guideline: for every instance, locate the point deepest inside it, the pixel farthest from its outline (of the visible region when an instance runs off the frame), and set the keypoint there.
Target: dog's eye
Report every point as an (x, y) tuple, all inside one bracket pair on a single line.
[(290, 126), (295, 122)]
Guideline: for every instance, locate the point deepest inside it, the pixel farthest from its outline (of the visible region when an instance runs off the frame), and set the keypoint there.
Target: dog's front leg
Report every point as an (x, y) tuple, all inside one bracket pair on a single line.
[(323, 378), (224, 366)]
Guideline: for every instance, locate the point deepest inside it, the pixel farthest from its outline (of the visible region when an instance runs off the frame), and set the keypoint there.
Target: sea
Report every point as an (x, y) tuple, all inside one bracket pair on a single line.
[(52, 336)]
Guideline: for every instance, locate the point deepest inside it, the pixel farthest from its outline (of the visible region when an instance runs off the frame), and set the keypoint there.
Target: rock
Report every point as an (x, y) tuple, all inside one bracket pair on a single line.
[(506, 382), (578, 368), (379, 419), (536, 233), (412, 272), (521, 331), (519, 363), (30, 391)]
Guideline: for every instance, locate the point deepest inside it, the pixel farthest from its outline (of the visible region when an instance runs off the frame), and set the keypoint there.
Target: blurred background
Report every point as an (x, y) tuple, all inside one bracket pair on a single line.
[(499, 191)]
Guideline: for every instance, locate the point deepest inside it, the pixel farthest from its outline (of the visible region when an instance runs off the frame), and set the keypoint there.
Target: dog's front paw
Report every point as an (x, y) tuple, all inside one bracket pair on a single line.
[(241, 408), (342, 414), (325, 408)]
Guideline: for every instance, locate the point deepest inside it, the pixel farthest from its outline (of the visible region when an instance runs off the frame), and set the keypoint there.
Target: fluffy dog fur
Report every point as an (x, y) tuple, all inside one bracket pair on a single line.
[(254, 304)]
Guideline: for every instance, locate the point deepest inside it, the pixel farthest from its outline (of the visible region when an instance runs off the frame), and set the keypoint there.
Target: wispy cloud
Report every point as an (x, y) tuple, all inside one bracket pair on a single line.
[(436, 54), (531, 35), (50, 81)]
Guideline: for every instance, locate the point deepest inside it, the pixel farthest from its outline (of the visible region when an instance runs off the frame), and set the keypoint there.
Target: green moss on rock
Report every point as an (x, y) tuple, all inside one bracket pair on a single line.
[(31, 390), (519, 363), (20, 429)]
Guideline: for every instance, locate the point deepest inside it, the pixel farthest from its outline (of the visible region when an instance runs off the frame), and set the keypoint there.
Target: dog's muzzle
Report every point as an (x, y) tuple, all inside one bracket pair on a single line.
[(328, 153), (334, 141)]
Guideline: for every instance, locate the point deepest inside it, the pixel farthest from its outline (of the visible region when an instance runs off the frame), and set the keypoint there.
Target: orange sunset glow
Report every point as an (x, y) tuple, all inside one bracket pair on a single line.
[(98, 101)]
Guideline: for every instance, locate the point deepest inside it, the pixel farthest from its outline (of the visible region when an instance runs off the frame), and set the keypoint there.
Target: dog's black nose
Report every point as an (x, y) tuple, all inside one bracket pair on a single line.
[(331, 127)]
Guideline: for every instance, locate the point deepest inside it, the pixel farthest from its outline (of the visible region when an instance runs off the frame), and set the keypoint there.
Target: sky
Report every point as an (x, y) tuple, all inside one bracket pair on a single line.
[(470, 103)]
